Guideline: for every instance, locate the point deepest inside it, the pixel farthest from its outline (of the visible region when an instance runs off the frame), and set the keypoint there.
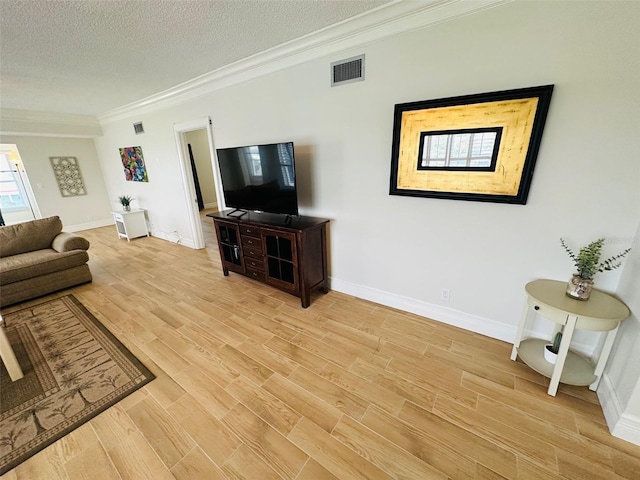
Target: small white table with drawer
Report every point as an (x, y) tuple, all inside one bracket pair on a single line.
[(131, 224), (601, 313)]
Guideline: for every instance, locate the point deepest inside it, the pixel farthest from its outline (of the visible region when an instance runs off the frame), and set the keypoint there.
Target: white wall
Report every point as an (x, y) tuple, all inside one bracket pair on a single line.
[(163, 196), (77, 213), (620, 392), (623, 370), (402, 251)]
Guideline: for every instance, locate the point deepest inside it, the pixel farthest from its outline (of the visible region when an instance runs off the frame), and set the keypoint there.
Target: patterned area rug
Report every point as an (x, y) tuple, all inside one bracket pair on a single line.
[(74, 368)]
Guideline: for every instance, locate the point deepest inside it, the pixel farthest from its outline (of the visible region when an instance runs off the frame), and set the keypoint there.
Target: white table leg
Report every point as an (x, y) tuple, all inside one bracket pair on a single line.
[(526, 313), (8, 357), (604, 356), (562, 354)]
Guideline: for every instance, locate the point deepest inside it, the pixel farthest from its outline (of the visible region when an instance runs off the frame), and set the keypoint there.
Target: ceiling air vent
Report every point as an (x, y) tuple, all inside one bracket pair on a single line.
[(347, 71), (138, 128)]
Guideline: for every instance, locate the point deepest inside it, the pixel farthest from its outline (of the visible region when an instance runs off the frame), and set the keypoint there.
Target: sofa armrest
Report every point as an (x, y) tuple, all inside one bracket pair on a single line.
[(65, 242)]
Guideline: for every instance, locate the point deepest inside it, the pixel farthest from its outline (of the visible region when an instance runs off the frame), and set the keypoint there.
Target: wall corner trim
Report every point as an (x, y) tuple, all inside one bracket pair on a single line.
[(621, 424)]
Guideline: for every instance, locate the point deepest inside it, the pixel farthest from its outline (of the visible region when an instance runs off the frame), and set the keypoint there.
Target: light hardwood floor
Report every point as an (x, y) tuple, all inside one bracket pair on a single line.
[(252, 386)]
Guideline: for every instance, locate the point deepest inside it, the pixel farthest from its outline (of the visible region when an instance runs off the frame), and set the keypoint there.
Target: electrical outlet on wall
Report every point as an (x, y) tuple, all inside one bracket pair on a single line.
[(446, 294)]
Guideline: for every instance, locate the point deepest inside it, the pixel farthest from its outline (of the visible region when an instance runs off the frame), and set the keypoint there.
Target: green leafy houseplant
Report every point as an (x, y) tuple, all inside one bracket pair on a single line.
[(587, 261), (125, 200)]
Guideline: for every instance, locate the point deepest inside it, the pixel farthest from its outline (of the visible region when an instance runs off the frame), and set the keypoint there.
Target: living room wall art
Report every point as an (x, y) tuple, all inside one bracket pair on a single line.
[(480, 147), (133, 164), (68, 176)]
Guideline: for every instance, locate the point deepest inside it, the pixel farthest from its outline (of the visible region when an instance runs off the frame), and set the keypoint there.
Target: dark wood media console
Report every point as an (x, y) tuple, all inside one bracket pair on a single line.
[(289, 253)]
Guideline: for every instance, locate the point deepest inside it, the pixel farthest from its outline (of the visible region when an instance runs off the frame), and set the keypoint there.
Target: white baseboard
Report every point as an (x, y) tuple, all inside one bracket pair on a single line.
[(88, 226), (173, 238), (474, 323), (169, 237), (621, 425), (207, 206)]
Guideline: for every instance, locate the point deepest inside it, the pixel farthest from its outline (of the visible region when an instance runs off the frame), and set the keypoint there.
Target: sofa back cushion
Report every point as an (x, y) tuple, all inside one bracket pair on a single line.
[(28, 236)]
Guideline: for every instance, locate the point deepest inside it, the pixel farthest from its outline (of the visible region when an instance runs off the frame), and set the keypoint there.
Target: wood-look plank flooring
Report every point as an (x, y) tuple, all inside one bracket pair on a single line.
[(252, 386)]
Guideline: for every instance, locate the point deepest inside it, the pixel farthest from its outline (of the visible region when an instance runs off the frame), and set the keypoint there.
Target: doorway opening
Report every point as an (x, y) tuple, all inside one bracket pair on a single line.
[(200, 174), (17, 200)]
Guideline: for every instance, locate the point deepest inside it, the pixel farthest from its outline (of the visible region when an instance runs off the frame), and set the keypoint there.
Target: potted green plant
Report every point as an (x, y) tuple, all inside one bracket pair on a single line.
[(125, 201), (551, 349), (587, 263)]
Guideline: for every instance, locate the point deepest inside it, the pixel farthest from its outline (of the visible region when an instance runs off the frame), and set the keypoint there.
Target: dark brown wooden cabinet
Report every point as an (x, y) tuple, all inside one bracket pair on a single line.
[(289, 253)]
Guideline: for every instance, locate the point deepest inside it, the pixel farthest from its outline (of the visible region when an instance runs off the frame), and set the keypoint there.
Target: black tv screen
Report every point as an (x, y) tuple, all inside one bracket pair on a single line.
[(259, 178)]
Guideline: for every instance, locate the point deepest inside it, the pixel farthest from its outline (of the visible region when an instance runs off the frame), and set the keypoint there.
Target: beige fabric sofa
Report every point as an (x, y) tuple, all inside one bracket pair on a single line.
[(37, 258)]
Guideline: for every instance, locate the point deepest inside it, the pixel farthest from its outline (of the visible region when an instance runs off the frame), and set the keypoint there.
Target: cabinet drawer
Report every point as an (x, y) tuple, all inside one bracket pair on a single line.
[(118, 217), (249, 230), (547, 312), (254, 242), (257, 274), (254, 263), (252, 252)]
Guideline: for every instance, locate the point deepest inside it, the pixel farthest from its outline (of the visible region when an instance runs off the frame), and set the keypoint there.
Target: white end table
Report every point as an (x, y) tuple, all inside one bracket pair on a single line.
[(131, 224), (601, 313)]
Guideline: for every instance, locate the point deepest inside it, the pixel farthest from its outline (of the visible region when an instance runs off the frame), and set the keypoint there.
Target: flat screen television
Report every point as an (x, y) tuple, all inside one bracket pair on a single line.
[(259, 178)]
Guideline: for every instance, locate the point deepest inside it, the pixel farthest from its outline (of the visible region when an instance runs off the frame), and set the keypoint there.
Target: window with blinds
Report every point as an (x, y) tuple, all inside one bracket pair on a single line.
[(475, 149)]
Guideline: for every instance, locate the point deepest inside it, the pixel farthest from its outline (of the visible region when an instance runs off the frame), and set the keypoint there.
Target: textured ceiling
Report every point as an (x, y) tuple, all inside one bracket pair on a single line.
[(91, 56)]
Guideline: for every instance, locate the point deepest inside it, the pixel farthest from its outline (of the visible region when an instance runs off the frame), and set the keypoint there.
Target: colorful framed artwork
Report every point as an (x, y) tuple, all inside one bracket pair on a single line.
[(68, 176), (479, 147), (133, 164)]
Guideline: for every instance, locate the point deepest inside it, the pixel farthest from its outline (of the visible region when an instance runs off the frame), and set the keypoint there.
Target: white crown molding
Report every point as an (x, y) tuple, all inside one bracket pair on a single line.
[(387, 20), (9, 133), (49, 117), (48, 124)]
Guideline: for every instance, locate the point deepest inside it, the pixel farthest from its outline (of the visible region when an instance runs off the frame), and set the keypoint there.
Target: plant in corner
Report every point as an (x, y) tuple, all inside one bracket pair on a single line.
[(125, 201), (587, 263)]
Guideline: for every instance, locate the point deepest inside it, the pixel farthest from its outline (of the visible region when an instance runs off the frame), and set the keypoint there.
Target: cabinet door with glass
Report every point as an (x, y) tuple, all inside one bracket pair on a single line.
[(230, 248), (280, 259)]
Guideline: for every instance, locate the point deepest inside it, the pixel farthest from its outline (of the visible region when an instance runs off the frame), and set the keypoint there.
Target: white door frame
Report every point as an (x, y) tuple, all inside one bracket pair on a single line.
[(187, 174), (8, 148)]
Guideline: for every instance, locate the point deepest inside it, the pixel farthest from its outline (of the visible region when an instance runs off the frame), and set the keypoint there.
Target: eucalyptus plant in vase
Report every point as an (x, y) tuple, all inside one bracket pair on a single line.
[(587, 263), (125, 201)]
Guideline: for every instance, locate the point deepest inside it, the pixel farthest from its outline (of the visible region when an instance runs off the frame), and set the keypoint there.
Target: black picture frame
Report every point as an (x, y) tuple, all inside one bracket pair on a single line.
[(519, 114)]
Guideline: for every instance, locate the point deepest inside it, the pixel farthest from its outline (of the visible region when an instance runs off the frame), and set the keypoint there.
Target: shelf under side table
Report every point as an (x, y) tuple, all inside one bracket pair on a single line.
[(578, 370)]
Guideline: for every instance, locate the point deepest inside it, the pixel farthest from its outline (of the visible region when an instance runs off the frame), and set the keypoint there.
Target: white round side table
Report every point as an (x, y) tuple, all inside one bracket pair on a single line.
[(601, 313)]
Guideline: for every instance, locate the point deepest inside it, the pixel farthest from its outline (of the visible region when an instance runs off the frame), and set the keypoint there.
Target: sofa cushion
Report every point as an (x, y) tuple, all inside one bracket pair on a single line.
[(42, 262), (28, 236), (65, 242), (35, 287)]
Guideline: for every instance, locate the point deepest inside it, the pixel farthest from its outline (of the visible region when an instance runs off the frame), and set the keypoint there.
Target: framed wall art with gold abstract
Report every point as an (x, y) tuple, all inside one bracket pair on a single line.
[(479, 147)]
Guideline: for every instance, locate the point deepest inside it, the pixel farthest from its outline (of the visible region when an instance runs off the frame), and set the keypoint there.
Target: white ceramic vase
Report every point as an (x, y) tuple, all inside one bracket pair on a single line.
[(549, 356)]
